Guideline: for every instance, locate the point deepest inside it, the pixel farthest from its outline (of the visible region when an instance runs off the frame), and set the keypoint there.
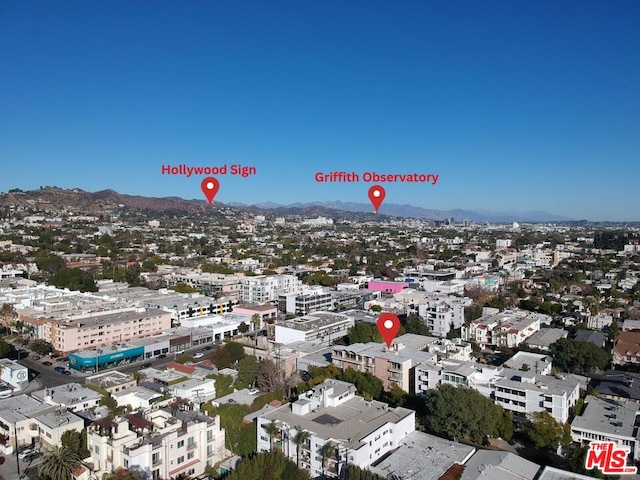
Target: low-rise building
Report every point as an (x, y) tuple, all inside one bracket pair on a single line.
[(605, 420), (112, 381), (319, 328), (503, 329), (626, 350), (52, 425), (72, 396), (14, 373), (341, 429)]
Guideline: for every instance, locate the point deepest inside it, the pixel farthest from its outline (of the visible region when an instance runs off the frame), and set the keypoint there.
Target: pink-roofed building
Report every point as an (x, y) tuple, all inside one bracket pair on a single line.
[(387, 286), (265, 312)]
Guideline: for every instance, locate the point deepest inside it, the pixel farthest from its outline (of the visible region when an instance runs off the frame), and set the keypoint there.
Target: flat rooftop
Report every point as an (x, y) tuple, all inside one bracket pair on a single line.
[(608, 417), (313, 321), (350, 422), (421, 456)]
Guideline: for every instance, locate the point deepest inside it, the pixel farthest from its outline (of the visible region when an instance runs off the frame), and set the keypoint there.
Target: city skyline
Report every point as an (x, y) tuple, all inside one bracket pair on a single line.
[(516, 107)]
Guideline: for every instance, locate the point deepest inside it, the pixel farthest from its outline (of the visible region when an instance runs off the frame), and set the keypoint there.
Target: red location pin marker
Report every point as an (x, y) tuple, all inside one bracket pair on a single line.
[(388, 326), (210, 187), (376, 195)]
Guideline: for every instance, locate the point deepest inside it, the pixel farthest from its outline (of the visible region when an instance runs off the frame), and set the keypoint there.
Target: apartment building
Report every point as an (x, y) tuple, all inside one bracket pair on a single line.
[(183, 307), (215, 284), (503, 329), (69, 333), (606, 420), (522, 392), (359, 432), (268, 288), (392, 366), (311, 299), (166, 442), (318, 328)]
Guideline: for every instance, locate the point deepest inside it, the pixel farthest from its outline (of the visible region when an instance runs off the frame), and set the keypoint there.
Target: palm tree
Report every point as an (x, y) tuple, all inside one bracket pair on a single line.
[(300, 439), (328, 451), (59, 464), (272, 430)]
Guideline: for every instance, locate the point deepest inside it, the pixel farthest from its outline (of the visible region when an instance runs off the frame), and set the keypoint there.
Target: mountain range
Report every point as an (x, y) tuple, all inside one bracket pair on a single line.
[(77, 200)]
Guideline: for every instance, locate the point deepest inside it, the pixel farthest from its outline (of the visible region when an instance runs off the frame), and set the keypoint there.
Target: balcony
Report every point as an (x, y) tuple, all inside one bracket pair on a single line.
[(191, 446)]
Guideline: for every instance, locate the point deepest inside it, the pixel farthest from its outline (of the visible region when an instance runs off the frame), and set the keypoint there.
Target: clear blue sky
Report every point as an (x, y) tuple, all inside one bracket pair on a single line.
[(516, 105)]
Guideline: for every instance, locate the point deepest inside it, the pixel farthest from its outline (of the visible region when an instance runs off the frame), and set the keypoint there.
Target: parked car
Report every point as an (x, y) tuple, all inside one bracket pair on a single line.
[(146, 365), (198, 355), (67, 372), (162, 355), (25, 453), (208, 347), (60, 369), (47, 363)]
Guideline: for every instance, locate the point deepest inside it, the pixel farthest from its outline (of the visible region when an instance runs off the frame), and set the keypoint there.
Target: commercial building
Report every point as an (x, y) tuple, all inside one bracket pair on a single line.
[(71, 332), (14, 373), (359, 432)]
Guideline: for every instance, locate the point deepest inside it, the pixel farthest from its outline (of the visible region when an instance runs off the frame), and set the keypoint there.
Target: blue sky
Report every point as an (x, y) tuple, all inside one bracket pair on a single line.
[(516, 105)]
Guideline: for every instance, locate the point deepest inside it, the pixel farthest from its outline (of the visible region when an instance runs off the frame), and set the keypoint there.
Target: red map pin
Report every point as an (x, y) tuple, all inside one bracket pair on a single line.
[(210, 187), (376, 195), (388, 326)]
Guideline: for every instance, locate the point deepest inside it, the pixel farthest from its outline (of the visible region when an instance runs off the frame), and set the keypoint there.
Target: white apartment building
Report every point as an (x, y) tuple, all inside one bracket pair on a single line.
[(187, 306), (605, 420), (504, 329), (360, 432), (268, 288), (166, 442), (311, 299), (52, 425), (515, 390), (217, 284), (320, 327)]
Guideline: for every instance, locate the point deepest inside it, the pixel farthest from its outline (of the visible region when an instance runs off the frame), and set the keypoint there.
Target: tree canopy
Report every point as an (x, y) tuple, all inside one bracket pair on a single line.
[(268, 466), (576, 356), (461, 412), (545, 432)]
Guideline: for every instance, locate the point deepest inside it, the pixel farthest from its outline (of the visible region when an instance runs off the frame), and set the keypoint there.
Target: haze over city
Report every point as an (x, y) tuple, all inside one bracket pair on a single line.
[(516, 106)]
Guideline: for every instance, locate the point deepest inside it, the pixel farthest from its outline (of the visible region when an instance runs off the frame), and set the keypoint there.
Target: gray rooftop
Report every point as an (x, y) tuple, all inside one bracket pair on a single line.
[(57, 417), (373, 349), (608, 417), (350, 422), (546, 336), (421, 456), (493, 465), (551, 473)]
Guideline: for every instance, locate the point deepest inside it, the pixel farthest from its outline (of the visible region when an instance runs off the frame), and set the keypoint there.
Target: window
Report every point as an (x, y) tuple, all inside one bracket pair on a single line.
[(180, 444), (190, 455), (96, 449), (180, 460)]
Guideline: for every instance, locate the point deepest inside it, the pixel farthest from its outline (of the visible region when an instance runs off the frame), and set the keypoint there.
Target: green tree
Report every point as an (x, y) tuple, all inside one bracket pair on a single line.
[(248, 370), (577, 356), (5, 348), (545, 432), (41, 347), (462, 412), (243, 328), (59, 463), (76, 442), (328, 453), (268, 466), (415, 324), (272, 430), (236, 351), (74, 279), (300, 440)]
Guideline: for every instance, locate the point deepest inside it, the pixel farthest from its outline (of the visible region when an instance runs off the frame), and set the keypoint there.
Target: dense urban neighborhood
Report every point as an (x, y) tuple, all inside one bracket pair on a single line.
[(163, 339)]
